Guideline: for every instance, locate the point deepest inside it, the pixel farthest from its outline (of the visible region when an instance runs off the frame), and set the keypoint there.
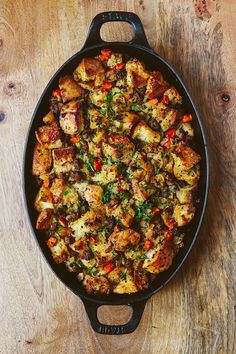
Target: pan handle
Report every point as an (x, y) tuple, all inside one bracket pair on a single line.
[(94, 37), (91, 309)]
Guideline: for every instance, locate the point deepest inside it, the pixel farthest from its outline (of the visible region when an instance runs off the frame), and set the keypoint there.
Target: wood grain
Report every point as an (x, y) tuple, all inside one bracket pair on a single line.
[(196, 312)]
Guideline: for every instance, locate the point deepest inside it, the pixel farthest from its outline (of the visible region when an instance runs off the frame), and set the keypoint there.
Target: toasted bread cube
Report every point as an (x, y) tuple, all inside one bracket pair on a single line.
[(87, 85), (137, 74), (63, 159), (115, 275), (144, 133), (81, 247), (173, 95), (49, 118), (124, 240), (71, 118), (183, 129), (118, 147), (185, 194), (126, 286), (49, 135), (42, 160), (126, 122), (191, 176), (97, 119), (141, 190), (92, 193), (43, 199), (165, 116), (159, 259), (88, 222), (98, 98), (124, 213), (107, 175), (156, 85), (183, 214), (169, 120), (184, 158), (96, 285), (70, 89), (44, 219), (59, 251), (57, 190), (88, 69)]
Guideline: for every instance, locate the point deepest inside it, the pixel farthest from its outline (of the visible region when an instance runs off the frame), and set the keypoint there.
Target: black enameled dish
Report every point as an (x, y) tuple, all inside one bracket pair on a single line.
[(139, 48)]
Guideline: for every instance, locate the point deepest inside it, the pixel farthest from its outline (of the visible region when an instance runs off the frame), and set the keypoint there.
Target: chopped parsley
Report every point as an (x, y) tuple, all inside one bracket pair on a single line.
[(123, 274), (106, 195), (78, 264)]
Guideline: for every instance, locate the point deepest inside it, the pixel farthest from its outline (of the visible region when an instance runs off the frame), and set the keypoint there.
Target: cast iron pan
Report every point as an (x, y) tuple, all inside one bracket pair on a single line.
[(138, 47)]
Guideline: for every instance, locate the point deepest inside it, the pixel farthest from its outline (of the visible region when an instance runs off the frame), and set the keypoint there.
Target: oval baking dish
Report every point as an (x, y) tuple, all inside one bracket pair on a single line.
[(139, 48)]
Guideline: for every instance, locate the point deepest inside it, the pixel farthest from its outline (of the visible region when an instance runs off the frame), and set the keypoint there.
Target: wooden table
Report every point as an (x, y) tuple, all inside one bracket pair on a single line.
[(196, 312)]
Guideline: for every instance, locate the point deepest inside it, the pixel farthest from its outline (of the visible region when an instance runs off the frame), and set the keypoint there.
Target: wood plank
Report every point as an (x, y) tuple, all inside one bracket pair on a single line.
[(195, 313)]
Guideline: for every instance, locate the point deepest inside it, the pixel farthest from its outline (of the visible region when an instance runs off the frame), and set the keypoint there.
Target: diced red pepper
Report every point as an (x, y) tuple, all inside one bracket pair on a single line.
[(172, 223), (63, 221), (148, 244), (165, 99), (75, 139), (167, 143), (171, 133), (56, 93), (92, 239), (169, 233), (120, 189), (105, 54), (120, 66), (116, 228), (120, 176), (107, 85), (109, 267), (97, 165), (187, 118), (156, 211), (110, 72), (154, 101), (52, 241), (46, 182)]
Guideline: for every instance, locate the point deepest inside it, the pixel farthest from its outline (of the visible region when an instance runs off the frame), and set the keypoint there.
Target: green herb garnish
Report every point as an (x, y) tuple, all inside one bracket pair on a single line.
[(123, 274)]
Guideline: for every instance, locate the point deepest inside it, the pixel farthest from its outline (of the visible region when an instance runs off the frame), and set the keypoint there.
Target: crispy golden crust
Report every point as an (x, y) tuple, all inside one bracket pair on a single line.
[(49, 135), (88, 69), (137, 75), (72, 118), (156, 85), (144, 133), (63, 159), (44, 219), (70, 89), (42, 160), (184, 157), (124, 240)]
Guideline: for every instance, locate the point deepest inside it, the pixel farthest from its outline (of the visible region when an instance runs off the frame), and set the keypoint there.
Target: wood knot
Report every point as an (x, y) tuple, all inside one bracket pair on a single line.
[(1, 42), (2, 116), (225, 99), (203, 9), (13, 89)]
